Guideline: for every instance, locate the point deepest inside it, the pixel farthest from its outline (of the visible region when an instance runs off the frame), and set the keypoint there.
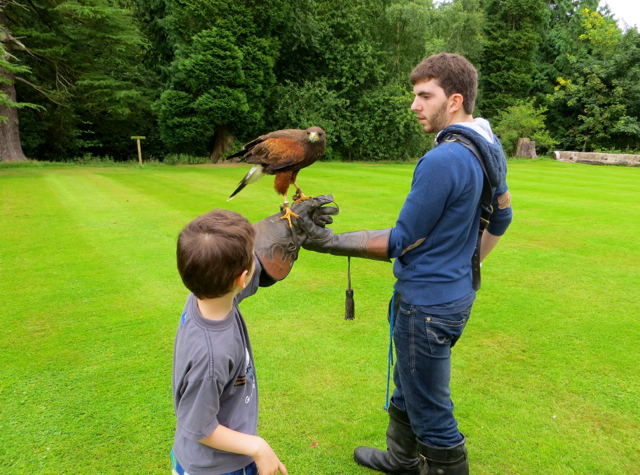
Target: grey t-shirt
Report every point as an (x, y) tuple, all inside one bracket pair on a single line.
[(213, 383)]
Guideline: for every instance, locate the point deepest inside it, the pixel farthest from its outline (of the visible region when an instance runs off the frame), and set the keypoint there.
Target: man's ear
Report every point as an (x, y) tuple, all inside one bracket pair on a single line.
[(456, 102), (241, 279)]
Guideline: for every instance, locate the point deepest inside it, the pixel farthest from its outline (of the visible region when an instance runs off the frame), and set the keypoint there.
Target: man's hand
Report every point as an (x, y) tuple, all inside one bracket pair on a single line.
[(319, 238), (314, 216), (277, 244)]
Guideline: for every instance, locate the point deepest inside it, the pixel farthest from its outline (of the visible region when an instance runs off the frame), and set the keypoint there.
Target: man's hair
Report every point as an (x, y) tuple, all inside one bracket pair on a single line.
[(454, 73), (213, 251)]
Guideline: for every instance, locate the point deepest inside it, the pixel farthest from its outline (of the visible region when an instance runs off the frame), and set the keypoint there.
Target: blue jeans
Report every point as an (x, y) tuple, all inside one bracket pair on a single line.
[(176, 468), (422, 371)]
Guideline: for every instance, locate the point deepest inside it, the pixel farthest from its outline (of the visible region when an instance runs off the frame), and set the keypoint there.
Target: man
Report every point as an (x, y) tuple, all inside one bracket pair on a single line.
[(433, 241)]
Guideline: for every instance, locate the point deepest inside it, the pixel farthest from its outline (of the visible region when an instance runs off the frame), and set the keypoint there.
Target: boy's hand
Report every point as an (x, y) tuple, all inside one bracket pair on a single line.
[(267, 461), (223, 438)]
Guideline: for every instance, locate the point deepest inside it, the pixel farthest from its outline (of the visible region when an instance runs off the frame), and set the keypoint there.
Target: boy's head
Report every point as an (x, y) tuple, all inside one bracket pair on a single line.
[(454, 73), (213, 251)]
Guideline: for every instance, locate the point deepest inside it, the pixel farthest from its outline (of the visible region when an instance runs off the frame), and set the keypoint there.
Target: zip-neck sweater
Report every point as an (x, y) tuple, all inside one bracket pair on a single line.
[(435, 235)]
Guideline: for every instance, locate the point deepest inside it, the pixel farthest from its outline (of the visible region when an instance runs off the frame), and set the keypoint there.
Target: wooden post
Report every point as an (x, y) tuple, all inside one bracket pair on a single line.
[(139, 148)]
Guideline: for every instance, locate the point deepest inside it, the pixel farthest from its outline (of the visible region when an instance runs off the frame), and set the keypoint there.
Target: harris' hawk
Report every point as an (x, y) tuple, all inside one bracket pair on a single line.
[(282, 153)]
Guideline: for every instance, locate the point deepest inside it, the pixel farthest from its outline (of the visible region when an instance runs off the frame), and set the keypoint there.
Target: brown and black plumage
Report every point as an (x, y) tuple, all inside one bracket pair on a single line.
[(282, 153)]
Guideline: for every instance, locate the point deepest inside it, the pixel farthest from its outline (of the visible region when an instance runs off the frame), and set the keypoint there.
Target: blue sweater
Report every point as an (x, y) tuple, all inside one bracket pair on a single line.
[(436, 233)]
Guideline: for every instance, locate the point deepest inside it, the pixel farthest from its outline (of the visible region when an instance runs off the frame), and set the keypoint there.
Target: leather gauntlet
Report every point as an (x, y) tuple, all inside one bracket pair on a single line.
[(365, 244), (277, 245)]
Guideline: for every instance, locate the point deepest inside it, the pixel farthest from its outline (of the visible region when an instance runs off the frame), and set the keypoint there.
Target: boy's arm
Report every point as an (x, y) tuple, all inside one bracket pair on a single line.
[(256, 281), (223, 438)]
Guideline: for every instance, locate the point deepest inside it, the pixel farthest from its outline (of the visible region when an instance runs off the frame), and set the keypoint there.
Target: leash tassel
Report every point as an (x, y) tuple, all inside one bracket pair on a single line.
[(350, 305)]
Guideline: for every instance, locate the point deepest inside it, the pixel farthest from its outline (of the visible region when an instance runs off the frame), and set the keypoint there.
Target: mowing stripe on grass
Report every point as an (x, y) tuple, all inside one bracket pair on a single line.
[(90, 302)]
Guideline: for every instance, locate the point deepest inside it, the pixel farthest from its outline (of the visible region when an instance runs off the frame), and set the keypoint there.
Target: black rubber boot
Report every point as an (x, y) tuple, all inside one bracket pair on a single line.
[(401, 456), (443, 461)]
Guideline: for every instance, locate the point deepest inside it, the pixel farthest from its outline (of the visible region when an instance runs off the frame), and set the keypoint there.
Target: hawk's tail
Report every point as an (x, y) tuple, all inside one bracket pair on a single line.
[(237, 154), (254, 175)]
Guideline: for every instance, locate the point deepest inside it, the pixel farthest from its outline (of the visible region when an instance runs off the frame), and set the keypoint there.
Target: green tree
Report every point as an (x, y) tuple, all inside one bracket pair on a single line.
[(312, 103), (600, 88), (402, 27), (360, 53), (512, 35), (523, 120), (216, 59), (562, 28), (382, 126), (85, 72), (10, 146), (207, 93), (457, 27)]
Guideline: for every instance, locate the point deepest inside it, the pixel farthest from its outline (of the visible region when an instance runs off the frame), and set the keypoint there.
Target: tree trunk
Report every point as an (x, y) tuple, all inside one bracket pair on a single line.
[(222, 140), (10, 146)]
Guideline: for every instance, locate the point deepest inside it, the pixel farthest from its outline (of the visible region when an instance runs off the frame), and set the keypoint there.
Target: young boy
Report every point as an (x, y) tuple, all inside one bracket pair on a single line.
[(214, 386)]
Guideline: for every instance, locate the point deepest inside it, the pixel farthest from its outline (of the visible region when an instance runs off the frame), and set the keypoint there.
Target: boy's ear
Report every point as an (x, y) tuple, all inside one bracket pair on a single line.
[(241, 279)]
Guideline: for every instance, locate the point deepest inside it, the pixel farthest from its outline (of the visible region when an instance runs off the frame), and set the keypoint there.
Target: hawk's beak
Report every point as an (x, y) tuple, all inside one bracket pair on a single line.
[(313, 137)]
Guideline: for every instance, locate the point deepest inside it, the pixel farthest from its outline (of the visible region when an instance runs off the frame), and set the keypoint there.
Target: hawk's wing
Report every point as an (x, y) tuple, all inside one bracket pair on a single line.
[(276, 153)]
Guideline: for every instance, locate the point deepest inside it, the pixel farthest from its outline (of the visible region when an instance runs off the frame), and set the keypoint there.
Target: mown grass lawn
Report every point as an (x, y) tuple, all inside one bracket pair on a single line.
[(546, 377)]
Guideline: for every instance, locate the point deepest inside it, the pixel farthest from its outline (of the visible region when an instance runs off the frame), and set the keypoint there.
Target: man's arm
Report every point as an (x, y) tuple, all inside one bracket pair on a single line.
[(489, 241), (500, 221), (223, 438), (430, 190), (433, 182)]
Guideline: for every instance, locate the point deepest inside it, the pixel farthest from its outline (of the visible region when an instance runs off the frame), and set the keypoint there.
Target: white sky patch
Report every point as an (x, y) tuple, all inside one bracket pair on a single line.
[(625, 11)]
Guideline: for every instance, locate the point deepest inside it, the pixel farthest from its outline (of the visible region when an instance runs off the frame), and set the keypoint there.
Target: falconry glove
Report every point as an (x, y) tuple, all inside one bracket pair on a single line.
[(365, 244), (277, 245), (316, 216)]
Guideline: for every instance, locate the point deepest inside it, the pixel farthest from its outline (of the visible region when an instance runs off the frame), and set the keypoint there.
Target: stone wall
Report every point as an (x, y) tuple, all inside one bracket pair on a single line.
[(599, 158)]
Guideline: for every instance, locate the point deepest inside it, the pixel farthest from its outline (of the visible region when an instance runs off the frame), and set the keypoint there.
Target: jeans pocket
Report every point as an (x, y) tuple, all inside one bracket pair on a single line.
[(404, 309), (443, 331)]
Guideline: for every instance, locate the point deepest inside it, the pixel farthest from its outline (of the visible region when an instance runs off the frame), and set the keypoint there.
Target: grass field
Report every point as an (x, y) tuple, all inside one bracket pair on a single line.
[(546, 377)]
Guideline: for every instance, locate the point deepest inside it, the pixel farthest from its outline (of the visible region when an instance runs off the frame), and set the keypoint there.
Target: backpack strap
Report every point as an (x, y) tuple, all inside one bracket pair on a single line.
[(486, 198)]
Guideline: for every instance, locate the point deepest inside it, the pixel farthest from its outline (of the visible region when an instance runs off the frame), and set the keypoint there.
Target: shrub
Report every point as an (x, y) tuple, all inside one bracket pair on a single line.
[(184, 159), (523, 120)]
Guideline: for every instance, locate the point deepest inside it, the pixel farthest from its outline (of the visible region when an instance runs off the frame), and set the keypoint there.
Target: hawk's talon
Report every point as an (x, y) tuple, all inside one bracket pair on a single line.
[(300, 196), (287, 215)]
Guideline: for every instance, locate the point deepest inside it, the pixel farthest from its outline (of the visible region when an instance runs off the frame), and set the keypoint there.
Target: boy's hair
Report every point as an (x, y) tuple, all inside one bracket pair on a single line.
[(213, 251), (454, 73)]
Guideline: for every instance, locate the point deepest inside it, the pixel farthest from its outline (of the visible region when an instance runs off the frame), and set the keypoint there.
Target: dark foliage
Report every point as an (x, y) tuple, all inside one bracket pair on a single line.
[(194, 75)]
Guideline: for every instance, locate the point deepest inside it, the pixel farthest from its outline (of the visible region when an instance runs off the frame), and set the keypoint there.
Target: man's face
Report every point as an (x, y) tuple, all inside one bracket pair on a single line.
[(431, 106)]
